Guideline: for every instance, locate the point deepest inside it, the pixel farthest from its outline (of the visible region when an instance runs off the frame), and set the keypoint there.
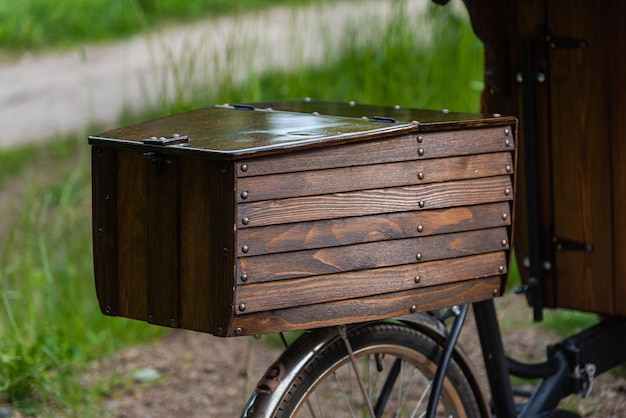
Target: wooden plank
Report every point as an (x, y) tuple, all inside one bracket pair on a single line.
[(132, 205), (371, 255), (617, 62), (369, 202), (582, 155), (104, 209), (206, 230), (332, 287), (389, 305), (162, 239), (403, 148), (373, 176), (356, 230)]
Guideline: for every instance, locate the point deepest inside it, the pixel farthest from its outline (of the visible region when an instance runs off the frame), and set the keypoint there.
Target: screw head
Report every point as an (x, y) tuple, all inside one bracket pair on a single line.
[(244, 195), (420, 228), (418, 256), (244, 167), (420, 175), (413, 309), (244, 277), (421, 203), (245, 221), (238, 331), (420, 139), (417, 279), (245, 249), (420, 151), (242, 307)]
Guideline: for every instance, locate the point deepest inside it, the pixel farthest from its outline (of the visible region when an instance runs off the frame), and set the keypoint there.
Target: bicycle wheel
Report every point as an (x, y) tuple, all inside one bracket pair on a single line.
[(396, 365)]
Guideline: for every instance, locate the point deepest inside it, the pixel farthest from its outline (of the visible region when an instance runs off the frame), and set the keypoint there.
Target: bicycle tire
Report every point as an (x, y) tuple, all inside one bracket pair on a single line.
[(315, 392)]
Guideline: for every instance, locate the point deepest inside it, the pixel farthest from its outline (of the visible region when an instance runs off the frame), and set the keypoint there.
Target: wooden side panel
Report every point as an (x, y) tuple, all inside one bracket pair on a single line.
[(373, 176), (325, 288), (582, 156), (104, 228), (357, 230), (206, 239), (373, 255), (162, 239), (616, 32), (370, 308), (132, 206), (405, 148), (369, 202)]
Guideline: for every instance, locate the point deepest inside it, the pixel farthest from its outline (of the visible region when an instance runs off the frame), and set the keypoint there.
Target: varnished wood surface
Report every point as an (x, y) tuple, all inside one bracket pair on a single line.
[(371, 255), (356, 230), (581, 165), (215, 244), (372, 176), (369, 202), (400, 148), (324, 288), (367, 309)]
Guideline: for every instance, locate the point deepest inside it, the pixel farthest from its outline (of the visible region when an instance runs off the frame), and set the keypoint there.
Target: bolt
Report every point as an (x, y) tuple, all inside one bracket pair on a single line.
[(238, 331), (244, 167)]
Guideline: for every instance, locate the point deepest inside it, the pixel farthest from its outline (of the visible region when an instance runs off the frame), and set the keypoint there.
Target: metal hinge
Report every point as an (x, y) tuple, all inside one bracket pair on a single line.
[(168, 140), (566, 244), (561, 42)]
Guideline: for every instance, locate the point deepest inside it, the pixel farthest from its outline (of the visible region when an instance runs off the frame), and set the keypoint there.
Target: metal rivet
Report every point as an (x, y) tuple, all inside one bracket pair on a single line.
[(420, 175), (99, 153), (420, 139), (244, 167), (504, 243), (420, 152), (507, 143), (107, 309), (508, 168), (100, 231), (242, 307), (507, 132), (225, 251), (244, 195), (244, 277), (418, 256), (413, 309), (519, 77), (150, 318), (418, 279), (507, 191), (541, 77), (420, 228), (223, 170), (245, 221), (501, 269), (238, 331), (173, 322), (495, 292), (421, 203), (220, 331), (505, 216), (245, 249)]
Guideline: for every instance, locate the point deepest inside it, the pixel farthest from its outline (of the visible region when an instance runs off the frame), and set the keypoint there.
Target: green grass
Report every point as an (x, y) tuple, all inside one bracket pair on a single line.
[(50, 324), (34, 24)]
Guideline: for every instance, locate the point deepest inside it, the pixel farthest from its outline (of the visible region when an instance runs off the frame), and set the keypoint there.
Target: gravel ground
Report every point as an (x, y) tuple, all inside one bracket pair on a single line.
[(206, 376)]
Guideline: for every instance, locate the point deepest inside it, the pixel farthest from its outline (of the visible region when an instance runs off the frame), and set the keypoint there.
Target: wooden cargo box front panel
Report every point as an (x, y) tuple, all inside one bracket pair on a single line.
[(373, 229), (163, 232)]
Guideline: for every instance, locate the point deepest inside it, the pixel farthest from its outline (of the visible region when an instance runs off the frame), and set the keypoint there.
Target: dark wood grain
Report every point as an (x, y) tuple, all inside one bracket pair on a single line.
[(162, 239), (356, 230), (371, 255), (326, 288), (582, 154), (399, 148), (369, 202), (367, 309), (104, 227), (206, 240), (132, 206), (617, 63), (373, 176)]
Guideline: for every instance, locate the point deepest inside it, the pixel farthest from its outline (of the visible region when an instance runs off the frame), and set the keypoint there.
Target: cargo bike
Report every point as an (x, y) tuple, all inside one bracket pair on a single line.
[(370, 227)]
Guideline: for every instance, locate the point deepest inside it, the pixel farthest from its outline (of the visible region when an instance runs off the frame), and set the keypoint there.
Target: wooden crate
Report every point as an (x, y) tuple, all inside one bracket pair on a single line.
[(256, 221)]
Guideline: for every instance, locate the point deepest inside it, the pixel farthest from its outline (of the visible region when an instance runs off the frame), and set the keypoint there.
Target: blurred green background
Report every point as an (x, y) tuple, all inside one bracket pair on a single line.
[(50, 324)]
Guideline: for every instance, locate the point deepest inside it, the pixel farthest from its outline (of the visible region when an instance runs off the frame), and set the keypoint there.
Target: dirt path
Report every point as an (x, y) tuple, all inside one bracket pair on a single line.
[(52, 93), (206, 376)]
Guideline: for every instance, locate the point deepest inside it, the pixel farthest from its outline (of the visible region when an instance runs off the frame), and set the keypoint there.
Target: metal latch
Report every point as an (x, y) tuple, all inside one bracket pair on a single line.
[(584, 376), (169, 140), (559, 42), (566, 244)]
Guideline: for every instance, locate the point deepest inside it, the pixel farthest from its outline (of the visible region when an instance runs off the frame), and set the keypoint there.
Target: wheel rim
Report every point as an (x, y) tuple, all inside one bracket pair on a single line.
[(335, 393)]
